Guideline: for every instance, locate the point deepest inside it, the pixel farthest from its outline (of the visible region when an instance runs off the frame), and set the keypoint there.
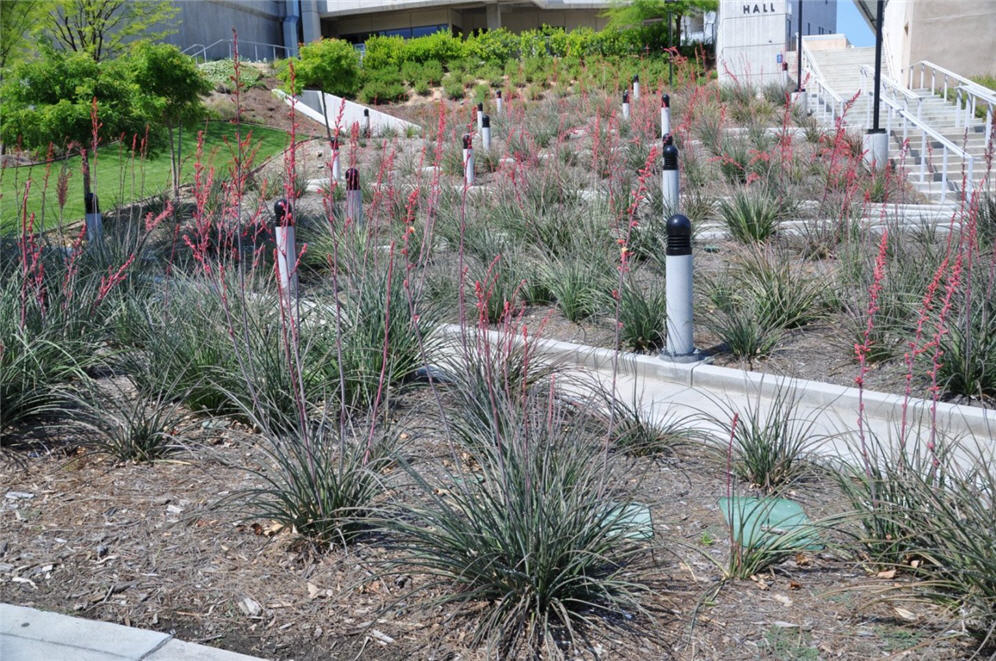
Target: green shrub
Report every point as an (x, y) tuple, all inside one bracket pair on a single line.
[(494, 46), (422, 88), (383, 86), (331, 65), (440, 46), (411, 72), (221, 75), (432, 71), (453, 88), (382, 52)]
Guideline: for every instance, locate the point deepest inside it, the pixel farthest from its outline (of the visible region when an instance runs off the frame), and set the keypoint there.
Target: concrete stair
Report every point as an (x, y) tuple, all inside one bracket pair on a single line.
[(935, 178)]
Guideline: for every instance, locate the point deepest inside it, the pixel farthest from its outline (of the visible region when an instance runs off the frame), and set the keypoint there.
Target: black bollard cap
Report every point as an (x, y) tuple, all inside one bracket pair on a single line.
[(636, 78), (626, 96), (352, 179), (468, 141), (498, 93), (282, 211), (679, 236), (486, 121), (334, 143), (665, 101), (92, 205), (669, 153), (480, 107), (366, 112), (785, 66)]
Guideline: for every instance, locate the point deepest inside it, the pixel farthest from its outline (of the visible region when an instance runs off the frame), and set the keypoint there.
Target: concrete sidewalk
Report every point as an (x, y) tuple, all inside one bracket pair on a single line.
[(28, 634)]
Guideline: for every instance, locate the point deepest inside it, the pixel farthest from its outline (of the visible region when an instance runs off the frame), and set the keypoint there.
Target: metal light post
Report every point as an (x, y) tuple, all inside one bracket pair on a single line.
[(799, 95), (670, 44), (798, 83), (876, 140)]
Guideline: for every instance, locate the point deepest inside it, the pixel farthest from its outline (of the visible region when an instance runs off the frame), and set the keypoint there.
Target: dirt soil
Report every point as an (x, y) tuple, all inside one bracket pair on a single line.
[(162, 546)]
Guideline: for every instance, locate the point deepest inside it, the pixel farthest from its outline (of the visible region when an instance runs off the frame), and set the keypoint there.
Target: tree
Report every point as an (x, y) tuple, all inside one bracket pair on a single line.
[(18, 20), (49, 101), (331, 65), (629, 14), (175, 86), (105, 28)]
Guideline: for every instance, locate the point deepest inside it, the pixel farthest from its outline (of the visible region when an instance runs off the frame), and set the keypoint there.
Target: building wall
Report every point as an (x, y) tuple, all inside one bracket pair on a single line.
[(373, 22), (750, 38), (959, 35), (818, 17), (207, 21)]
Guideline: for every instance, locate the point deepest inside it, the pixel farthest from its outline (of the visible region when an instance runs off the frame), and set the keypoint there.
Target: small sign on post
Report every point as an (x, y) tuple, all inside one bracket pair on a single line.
[(468, 159), (283, 232)]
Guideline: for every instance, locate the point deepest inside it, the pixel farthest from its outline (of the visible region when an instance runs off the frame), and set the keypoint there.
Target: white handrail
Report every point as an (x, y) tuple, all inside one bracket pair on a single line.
[(200, 50), (947, 146)]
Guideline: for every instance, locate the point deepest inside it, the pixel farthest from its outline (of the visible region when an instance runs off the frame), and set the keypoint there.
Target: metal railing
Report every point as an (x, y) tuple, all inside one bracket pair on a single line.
[(898, 110), (256, 47), (968, 93), (831, 105), (890, 90)]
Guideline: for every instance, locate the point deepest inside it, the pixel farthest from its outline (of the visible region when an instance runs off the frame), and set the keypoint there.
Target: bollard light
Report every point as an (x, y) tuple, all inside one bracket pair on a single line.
[(283, 233), (636, 87), (486, 132), (625, 104), (669, 176), (468, 159), (366, 122), (665, 115), (336, 169), (498, 101), (480, 116), (94, 221), (678, 287), (354, 196)]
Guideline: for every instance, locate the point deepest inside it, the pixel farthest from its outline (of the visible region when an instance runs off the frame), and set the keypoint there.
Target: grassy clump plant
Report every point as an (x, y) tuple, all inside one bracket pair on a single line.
[(538, 532), (751, 214)]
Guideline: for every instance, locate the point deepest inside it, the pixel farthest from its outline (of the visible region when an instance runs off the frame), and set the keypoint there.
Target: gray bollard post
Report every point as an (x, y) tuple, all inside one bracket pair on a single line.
[(468, 159), (486, 132), (498, 101), (366, 122), (283, 233), (875, 143), (665, 115), (336, 168), (636, 87), (625, 105), (94, 221), (678, 287), (480, 116), (669, 176), (354, 196)]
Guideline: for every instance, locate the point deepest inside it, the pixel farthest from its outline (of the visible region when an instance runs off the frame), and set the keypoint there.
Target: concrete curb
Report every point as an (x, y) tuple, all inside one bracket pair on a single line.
[(953, 418), (29, 634)]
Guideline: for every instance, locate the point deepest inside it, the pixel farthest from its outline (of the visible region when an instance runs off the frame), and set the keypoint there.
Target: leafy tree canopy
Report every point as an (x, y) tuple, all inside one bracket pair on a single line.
[(624, 14), (49, 100), (18, 19), (104, 29)]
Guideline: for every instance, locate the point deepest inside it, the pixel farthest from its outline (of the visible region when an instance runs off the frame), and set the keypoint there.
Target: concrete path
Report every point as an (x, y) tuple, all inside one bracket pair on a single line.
[(707, 397), (28, 634)]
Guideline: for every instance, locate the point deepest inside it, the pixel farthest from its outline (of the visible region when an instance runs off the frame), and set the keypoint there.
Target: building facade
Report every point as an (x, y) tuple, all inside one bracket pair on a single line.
[(753, 39)]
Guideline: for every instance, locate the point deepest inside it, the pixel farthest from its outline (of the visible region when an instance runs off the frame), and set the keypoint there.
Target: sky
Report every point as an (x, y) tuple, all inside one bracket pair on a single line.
[(849, 22)]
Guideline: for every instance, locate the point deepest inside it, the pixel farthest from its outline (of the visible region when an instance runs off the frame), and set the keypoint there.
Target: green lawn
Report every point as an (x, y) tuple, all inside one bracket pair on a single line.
[(120, 178)]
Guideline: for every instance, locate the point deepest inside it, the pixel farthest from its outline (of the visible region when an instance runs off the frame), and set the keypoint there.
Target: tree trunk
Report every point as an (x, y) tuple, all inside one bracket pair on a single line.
[(173, 163)]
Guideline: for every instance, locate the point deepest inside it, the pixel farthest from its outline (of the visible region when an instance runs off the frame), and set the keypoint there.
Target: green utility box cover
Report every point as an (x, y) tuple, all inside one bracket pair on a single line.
[(769, 523), (632, 520)]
